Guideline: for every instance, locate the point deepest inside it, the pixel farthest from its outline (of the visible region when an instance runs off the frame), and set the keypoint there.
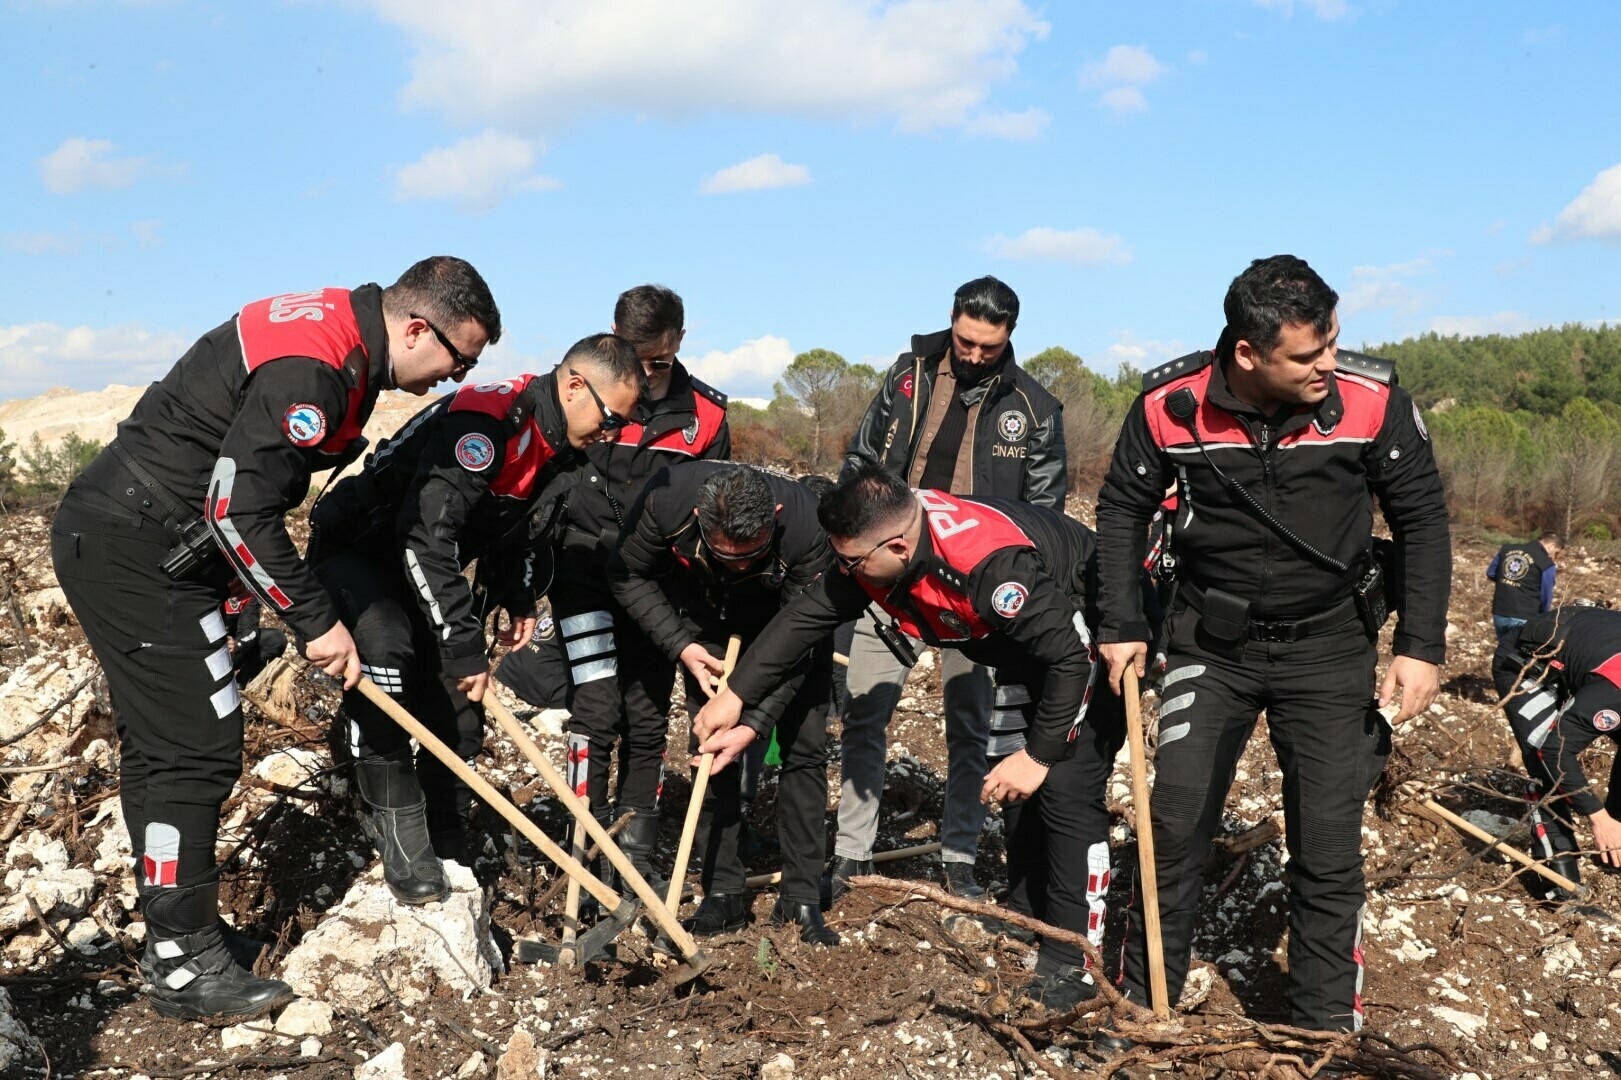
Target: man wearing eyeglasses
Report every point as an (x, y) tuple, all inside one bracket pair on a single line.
[(619, 682), (458, 484), (1007, 585), (189, 499), (955, 413), (714, 549)]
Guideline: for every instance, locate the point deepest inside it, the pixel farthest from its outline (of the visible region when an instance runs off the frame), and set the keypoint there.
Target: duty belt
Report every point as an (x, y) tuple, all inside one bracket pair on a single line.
[(1280, 632)]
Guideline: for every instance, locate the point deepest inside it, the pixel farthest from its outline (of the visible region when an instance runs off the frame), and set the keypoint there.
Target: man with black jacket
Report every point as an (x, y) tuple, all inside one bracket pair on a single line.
[(712, 550), (620, 683), (955, 413), (1562, 674), (235, 430), (1006, 584), (459, 483), (1525, 575), (1275, 442)]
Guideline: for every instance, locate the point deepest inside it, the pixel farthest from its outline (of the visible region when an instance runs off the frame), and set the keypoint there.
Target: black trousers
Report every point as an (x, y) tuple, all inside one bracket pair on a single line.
[(620, 685), (1533, 712), (801, 792), (398, 652), (161, 644), (1331, 745), (1058, 840)]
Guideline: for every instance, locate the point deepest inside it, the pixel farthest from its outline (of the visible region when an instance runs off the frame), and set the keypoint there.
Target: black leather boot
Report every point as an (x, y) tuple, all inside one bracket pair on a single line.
[(636, 840), (1565, 864), (190, 974), (398, 827), (720, 913), (813, 931), (959, 880), (244, 950), (842, 871), (1059, 987)]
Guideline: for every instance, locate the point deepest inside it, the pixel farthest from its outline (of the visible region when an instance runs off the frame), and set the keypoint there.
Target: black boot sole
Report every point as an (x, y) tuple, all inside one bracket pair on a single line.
[(174, 1010)]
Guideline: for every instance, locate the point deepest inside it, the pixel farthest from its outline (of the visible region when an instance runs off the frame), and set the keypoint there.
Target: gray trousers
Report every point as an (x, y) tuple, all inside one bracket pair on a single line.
[(875, 682)]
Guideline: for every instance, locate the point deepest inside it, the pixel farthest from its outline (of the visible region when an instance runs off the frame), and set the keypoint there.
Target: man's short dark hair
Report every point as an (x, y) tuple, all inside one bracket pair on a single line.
[(870, 498), (819, 485), (736, 503), (609, 357), (447, 290), (646, 314), (1274, 292), (988, 300), (1549, 536)]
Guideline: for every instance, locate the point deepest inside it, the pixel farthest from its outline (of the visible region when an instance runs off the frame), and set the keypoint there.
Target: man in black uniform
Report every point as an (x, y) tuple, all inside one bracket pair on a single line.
[(955, 413), (1274, 447), (458, 483), (620, 682), (1561, 674), (234, 430), (1006, 583), (252, 647), (712, 550), (1525, 575)]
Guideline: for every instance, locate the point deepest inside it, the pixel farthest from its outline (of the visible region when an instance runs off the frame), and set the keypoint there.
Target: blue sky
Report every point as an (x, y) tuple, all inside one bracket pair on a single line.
[(815, 174)]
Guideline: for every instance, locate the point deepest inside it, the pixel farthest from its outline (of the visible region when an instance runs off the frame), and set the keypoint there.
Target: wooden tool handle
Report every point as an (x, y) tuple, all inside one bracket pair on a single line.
[(1146, 866), (1487, 838), (700, 784)]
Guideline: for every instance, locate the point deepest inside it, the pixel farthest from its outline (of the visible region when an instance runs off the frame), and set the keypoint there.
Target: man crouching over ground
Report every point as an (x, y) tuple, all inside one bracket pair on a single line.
[(1006, 583)]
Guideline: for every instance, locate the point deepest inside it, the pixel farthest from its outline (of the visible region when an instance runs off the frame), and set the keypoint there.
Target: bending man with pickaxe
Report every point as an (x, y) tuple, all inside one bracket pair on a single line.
[(713, 549), (1007, 584)]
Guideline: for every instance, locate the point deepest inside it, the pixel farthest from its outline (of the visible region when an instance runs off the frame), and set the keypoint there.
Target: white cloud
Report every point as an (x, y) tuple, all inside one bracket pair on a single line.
[(1386, 288), (37, 356), (750, 368), (924, 65), (1327, 10), (477, 172), (1507, 323), (1595, 214), (79, 164), (1121, 75), (1081, 247), (1143, 354), (1013, 126), (756, 174), (45, 242)]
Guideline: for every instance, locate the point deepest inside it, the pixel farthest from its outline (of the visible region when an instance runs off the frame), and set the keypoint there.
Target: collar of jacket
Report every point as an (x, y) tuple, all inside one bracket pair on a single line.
[(367, 302), (930, 349), (548, 413), (679, 404), (1326, 414)]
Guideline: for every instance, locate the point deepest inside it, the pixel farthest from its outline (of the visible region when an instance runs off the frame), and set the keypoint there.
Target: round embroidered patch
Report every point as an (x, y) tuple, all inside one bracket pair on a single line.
[(545, 629), (1008, 599), (304, 424), (1606, 719), (1515, 565), (1012, 425), (474, 452), (954, 622), (1418, 422)]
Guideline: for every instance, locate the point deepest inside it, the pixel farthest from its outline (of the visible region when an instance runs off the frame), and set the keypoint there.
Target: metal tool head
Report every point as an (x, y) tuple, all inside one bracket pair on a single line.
[(587, 947)]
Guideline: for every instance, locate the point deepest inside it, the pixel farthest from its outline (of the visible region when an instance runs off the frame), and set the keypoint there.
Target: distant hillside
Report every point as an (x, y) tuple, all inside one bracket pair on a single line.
[(1537, 373)]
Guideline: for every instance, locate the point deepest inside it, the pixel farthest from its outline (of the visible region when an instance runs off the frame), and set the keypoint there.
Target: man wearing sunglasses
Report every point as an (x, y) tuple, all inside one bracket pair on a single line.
[(619, 684), (1008, 585), (458, 484), (713, 549), (186, 503)]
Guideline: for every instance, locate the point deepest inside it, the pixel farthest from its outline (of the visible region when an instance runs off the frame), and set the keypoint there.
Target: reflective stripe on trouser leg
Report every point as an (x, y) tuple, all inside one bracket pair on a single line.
[(588, 641)]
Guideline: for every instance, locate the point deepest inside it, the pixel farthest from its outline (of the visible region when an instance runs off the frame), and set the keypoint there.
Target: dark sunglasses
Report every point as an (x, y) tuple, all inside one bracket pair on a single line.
[(659, 365), (611, 421), (849, 565), (743, 556), (466, 363)]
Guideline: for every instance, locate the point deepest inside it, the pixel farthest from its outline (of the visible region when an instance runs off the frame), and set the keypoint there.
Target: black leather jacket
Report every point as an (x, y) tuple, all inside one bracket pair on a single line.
[(1018, 442)]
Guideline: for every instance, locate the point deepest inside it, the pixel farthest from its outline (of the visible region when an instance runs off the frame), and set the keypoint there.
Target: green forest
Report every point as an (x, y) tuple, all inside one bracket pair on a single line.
[(1527, 428)]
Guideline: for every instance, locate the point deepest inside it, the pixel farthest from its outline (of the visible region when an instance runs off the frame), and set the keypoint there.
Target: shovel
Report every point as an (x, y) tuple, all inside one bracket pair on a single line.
[(1145, 844), (623, 912), (696, 960)]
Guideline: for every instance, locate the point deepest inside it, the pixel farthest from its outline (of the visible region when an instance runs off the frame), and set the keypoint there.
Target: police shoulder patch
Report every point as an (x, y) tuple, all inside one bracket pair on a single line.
[(1007, 600), (1369, 367), (475, 451), (1175, 369), (701, 387), (304, 424), (1515, 564), (1418, 422), (1012, 426), (1606, 720)]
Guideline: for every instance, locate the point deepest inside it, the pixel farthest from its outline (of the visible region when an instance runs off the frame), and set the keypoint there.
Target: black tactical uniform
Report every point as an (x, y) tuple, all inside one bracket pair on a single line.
[(1257, 624), (235, 429)]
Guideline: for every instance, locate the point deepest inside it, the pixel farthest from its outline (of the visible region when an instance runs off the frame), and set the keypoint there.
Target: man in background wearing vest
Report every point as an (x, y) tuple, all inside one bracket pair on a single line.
[(456, 485), (190, 495), (621, 682), (1525, 575), (955, 413)]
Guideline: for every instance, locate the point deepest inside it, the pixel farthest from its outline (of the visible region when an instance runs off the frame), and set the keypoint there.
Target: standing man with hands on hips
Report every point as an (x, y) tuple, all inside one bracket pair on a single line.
[(1276, 441)]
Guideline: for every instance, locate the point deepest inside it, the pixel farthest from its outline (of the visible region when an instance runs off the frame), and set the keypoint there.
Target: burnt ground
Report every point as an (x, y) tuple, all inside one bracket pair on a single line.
[(1465, 967)]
